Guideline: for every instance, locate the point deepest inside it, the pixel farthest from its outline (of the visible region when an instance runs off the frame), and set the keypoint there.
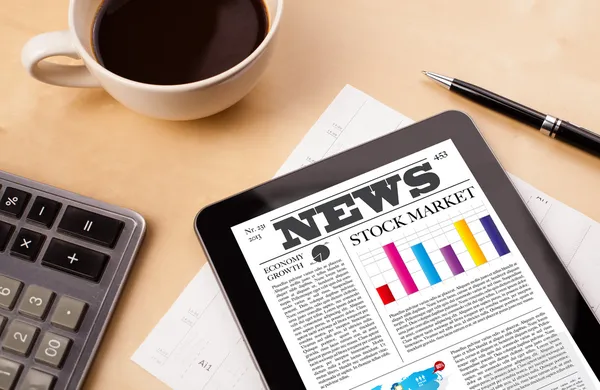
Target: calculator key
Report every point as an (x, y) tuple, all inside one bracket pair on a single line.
[(75, 259), (43, 211), (2, 323), (36, 302), (19, 337), (53, 349), (27, 245), (13, 202), (9, 373), (9, 291), (69, 313), (90, 226), (37, 380), (6, 230)]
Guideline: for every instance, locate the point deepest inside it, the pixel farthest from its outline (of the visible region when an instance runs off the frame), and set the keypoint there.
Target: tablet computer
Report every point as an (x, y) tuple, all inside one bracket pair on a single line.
[(409, 262)]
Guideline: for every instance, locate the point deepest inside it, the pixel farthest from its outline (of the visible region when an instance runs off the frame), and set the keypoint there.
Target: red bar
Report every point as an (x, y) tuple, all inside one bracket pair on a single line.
[(385, 294)]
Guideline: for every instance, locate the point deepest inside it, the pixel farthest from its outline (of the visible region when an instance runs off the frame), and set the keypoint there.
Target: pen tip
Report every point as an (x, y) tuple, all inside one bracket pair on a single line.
[(424, 72)]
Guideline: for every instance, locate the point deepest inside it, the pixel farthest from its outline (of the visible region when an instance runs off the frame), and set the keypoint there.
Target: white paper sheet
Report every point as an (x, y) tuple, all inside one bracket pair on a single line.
[(574, 236), (197, 344)]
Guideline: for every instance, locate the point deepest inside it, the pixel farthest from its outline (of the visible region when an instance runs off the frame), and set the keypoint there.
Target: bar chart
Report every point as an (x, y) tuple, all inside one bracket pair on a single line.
[(443, 248)]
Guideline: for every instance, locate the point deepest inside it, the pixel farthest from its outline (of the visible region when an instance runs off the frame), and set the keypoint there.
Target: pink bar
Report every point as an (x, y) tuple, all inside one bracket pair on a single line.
[(405, 277)]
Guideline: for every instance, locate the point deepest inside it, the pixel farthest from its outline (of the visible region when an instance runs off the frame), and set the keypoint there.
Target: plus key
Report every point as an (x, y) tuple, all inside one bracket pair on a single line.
[(75, 259), (72, 258)]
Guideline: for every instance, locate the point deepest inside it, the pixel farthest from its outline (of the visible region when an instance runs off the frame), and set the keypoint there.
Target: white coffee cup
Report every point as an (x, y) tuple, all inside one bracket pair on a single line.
[(175, 102)]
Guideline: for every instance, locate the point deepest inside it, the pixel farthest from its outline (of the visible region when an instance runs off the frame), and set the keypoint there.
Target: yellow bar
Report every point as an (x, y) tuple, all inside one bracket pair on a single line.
[(470, 242)]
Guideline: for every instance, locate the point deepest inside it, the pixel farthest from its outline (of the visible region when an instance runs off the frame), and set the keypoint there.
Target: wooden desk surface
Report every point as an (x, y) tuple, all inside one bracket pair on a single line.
[(540, 53)]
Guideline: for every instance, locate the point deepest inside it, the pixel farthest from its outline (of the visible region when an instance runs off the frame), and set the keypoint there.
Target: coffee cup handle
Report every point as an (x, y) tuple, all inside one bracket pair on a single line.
[(56, 43)]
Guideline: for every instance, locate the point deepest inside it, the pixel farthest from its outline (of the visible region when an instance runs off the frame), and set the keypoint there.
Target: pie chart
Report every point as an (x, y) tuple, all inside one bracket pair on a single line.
[(320, 253)]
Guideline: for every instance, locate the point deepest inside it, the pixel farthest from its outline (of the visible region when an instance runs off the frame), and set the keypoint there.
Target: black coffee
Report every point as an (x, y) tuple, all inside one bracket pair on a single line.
[(171, 42)]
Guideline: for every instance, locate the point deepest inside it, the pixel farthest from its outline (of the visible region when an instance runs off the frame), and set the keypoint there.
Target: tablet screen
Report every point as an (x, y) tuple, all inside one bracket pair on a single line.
[(405, 278)]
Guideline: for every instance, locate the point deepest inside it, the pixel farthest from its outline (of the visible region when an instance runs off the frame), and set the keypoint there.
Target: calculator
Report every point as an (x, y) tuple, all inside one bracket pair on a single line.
[(64, 259)]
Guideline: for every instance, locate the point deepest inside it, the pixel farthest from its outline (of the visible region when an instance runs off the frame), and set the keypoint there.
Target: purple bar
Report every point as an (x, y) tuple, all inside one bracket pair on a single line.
[(453, 262), (405, 277), (492, 230)]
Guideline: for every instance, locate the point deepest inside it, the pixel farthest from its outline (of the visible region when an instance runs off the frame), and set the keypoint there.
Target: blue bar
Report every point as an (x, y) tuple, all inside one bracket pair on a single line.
[(492, 231), (426, 264)]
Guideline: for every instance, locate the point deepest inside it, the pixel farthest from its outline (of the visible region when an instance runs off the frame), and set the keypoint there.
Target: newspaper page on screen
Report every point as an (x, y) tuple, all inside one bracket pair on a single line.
[(403, 278)]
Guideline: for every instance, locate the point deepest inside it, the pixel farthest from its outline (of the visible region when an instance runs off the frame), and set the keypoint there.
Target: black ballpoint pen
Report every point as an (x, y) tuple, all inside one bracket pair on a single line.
[(547, 124)]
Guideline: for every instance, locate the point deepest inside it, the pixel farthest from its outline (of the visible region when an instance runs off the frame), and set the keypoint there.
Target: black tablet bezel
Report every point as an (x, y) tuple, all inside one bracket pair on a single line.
[(213, 226)]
